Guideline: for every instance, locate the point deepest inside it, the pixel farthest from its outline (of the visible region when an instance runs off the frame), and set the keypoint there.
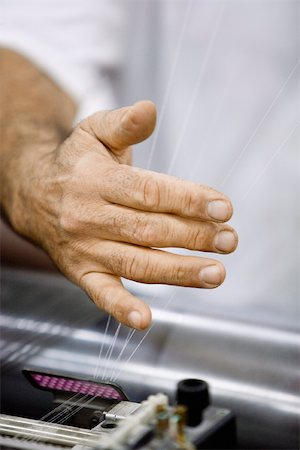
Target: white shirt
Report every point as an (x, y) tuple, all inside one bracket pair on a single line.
[(222, 75)]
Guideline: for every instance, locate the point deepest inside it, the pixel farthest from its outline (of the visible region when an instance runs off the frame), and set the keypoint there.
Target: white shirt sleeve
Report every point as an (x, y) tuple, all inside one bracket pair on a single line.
[(78, 43)]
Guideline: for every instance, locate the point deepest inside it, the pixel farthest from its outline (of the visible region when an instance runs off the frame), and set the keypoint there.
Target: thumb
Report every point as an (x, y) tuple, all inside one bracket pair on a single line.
[(120, 128)]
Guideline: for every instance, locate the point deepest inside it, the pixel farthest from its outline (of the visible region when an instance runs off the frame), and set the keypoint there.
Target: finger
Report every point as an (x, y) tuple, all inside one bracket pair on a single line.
[(108, 293), (162, 230), (156, 266), (120, 128), (151, 191)]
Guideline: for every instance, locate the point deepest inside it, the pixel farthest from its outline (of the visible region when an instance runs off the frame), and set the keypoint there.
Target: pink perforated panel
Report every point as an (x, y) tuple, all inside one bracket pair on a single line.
[(57, 383)]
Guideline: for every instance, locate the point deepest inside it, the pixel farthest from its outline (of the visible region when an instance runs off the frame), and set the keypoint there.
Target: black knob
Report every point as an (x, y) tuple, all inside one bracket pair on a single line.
[(194, 395)]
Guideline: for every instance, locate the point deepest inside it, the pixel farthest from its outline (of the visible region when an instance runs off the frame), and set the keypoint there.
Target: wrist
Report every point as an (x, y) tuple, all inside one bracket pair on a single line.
[(36, 116), (24, 183)]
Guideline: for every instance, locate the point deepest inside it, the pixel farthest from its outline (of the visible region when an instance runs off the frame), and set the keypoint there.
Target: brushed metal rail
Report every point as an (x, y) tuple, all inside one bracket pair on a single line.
[(47, 432)]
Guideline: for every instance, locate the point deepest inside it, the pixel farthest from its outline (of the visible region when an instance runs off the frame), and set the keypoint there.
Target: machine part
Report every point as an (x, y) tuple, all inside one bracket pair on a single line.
[(11, 443), (63, 383), (180, 422), (80, 402), (123, 425), (217, 430), (195, 396), (121, 411), (141, 416), (43, 432), (250, 361), (95, 419)]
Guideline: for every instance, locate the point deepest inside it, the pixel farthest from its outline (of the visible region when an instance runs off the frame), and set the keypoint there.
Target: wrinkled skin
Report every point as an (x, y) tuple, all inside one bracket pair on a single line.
[(100, 219)]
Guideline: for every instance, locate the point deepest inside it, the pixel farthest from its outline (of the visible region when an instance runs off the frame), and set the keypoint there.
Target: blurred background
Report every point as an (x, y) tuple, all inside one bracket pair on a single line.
[(225, 78)]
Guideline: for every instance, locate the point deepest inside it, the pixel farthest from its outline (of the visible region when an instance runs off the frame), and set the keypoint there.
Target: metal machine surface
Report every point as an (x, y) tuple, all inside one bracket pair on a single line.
[(252, 370), (93, 414)]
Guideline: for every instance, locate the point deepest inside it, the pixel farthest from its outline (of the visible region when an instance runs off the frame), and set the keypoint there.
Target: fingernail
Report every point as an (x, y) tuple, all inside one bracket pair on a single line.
[(135, 319), (225, 241), (218, 210), (211, 275)]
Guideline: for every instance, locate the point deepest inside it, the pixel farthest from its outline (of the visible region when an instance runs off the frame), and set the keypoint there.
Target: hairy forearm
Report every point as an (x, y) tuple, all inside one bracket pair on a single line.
[(35, 117)]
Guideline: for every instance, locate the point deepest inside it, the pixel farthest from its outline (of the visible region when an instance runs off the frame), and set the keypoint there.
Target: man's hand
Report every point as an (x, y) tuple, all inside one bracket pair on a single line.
[(100, 219)]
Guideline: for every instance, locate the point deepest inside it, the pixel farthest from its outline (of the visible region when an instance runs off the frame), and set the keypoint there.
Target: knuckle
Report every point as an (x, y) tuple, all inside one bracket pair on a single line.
[(111, 302), (178, 274), (201, 238), (113, 222), (146, 269), (69, 222), (114, 261), (145, 233), (191, 204), (118, 311), (104, 298), (136, 269), (77, 216), (151, 193), (196, 239), (132, 267)]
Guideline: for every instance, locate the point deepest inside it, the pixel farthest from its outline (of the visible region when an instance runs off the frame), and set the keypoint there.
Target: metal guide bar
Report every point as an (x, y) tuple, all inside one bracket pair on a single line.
[(47, 432), (11, 443)]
